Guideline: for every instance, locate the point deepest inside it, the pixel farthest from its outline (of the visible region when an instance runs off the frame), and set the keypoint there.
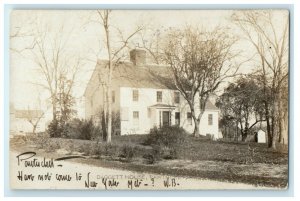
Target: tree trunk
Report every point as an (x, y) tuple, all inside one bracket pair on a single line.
[(109, 109), (54, 109), (270, 135), (109, 117), (280, 128), (197, 123), (269, 132), (282, 121), (34, 128), (284, 129), (236, 136), (274, 140), (196, 129), (246, 130), (110, 68), (103, 124), (275, 130), (244, 134), (276, 121), (242, 129)]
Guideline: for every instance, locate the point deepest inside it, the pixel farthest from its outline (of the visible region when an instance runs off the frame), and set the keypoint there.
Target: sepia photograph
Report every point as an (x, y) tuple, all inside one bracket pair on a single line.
[(149, 99)]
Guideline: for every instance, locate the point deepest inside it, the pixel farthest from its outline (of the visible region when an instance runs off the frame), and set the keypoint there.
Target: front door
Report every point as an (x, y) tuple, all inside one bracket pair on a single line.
[(166, 118)]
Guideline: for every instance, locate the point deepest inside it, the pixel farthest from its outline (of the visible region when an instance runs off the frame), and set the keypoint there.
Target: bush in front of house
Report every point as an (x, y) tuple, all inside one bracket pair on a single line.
[(86, 129), (71, 129), (75, 129), (166, 141), (168, 136), (55, 129), (83, 129), (128, 152)]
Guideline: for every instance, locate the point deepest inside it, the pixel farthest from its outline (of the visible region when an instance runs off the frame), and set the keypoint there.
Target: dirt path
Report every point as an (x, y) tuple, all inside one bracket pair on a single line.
[(67, 174)]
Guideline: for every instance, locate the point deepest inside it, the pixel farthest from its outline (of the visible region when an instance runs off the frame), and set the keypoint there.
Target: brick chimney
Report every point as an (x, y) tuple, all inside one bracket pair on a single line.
[(138, 57)]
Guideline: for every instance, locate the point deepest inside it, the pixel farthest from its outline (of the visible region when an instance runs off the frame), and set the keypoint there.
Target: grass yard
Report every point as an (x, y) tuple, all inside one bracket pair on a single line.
[(204, 149), (250, 163)]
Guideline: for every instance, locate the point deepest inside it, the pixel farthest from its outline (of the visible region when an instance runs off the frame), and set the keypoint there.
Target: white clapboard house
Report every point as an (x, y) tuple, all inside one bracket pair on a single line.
[(144, 98)]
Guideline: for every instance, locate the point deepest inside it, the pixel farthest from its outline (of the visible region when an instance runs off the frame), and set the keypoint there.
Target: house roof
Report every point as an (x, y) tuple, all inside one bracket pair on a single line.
[(126, 74), (210, 106)]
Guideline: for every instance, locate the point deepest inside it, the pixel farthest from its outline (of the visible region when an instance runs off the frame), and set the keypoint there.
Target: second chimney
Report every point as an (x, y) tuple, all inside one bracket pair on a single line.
[(138, 57)]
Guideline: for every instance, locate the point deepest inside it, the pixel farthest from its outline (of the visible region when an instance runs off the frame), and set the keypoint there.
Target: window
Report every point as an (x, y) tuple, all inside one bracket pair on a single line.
[(135, 115), (189, 117), (159, 96), (149, 112), (177, 118), (136, 119), (210, 119), (113, 96), (135, 95), (176, 97)]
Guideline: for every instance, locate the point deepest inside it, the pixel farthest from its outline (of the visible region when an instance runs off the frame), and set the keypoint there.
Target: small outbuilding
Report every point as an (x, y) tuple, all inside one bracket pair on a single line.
[(261, 136)]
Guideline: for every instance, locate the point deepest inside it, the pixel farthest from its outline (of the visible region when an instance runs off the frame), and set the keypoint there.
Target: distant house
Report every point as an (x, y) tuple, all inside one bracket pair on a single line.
[(19, 123), (146, 97)]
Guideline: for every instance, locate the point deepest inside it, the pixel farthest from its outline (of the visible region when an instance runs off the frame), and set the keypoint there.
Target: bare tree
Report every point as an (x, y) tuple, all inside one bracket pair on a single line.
[(65, 99), (55, 65), (20, 32), (269, 37), (200, 61), (34, 117), (16, 34), (115, 55), (150, 40)]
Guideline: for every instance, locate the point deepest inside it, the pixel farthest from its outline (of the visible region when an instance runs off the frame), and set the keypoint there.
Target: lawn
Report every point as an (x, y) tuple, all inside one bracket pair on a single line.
[(202, 148), (250, 163)]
